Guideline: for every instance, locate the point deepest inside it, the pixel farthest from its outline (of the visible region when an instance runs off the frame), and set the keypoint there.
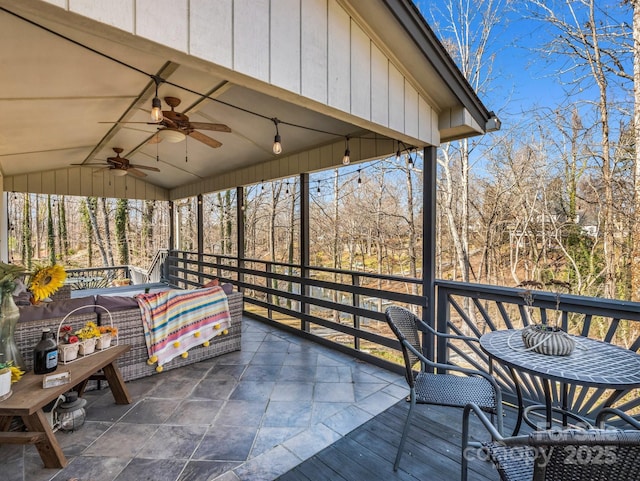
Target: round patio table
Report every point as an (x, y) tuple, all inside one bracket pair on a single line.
[(592, 363)]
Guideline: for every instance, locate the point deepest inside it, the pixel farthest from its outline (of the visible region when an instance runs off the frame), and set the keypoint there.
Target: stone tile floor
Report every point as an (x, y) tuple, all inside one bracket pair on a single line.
[(249, 415)]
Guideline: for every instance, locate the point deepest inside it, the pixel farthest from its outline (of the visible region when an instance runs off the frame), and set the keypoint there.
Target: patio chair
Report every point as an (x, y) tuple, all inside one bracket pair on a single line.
[(431, 384), (554, 455)]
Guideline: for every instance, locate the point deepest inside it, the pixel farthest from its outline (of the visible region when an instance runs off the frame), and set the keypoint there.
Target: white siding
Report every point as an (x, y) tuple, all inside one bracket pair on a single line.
[(320, 158), (360, 73), (84, 182), (285, 44), (211, 35), (339, 68), (379, 87), (312, 48), (164, 21), (251, 38)]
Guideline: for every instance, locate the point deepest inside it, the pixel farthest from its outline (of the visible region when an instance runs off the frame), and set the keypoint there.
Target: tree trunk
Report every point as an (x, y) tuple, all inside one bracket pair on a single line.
[(635, 255), (122, 208), (107, 232), (92, 211), (27, 248), (51, 235)]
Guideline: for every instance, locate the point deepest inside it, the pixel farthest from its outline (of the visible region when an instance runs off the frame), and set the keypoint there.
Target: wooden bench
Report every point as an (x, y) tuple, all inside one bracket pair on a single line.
[(29, 398)]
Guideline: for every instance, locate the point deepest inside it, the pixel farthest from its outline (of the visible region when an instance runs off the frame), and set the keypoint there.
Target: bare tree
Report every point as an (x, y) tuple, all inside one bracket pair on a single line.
[(585, 37), (468, 30)]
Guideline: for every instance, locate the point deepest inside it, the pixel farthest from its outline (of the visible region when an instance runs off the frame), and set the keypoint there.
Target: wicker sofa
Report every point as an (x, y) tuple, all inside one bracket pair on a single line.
[(126, 316)]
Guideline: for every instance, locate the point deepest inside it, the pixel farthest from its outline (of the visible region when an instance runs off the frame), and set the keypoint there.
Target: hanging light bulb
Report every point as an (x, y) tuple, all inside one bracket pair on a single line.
[(318, 187), (277, 146), (359, 179), (156, 105), (346, 159)]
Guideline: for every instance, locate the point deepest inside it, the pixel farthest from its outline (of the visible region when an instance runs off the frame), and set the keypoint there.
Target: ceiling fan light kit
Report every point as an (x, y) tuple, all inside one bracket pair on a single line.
[(118, 172), (171, 135)]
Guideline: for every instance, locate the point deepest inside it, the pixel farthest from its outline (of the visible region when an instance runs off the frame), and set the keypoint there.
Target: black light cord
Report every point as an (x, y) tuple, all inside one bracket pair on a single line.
[(157, 79)]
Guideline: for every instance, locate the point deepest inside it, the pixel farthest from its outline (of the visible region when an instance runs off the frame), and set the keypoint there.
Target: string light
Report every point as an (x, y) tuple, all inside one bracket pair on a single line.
[(318, 186), (156, 105), (359, 179), (287, 188), (277, 146), (346, 159)]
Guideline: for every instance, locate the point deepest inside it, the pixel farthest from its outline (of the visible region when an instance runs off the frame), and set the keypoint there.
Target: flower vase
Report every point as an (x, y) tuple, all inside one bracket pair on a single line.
[(9, 315)]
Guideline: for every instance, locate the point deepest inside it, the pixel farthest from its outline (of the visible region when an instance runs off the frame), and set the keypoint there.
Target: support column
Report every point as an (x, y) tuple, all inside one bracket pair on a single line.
[(429, 246), (172, 242), (4, 223), (304, 245), (200, 227), (240, 216)]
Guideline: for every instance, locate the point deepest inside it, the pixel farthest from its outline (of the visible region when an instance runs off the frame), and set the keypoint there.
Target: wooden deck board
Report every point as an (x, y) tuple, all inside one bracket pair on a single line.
[(432, 450)]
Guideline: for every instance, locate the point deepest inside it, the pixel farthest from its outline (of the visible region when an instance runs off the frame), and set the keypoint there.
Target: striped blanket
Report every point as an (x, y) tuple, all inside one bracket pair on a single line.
[(176, 320)]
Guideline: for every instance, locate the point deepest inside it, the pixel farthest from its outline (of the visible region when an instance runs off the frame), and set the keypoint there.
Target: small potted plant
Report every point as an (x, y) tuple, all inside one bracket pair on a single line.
[(8, 375), (88, 336), (68, 344), (107, 333)]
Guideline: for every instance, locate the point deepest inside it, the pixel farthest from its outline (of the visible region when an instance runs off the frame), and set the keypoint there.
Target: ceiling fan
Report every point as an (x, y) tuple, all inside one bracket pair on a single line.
[(175, 126), (121, 166)]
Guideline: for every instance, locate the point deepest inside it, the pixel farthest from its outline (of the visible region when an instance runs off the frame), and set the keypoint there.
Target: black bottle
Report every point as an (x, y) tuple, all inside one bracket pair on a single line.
[(45, 354)]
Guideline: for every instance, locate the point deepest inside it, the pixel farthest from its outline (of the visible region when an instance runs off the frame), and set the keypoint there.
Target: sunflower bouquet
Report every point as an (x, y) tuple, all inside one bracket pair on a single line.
[(42, 282)]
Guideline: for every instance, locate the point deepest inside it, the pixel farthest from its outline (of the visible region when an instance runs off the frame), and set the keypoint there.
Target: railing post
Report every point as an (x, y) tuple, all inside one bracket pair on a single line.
[(355, 281), (269, 284), (442, 324)]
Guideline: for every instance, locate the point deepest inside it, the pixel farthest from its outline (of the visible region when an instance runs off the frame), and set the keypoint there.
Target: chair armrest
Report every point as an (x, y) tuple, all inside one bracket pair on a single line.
[(606, 412), (443, 335), (466, 444), (451, 367), (468, 409)]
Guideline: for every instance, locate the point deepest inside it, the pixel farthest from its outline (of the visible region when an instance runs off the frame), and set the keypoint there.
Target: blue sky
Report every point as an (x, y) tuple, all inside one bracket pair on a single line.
[(524, 77)]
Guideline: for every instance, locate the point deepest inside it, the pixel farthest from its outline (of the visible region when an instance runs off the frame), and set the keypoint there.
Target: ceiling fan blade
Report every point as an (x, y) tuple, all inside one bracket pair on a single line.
[(146, 123), (91, 165), (205, 139), (208, 126), (136, 172), (144, 167)]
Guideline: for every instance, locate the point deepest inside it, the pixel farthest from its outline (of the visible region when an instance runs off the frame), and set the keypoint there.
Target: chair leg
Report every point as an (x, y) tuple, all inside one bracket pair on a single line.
[(407, 423)]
